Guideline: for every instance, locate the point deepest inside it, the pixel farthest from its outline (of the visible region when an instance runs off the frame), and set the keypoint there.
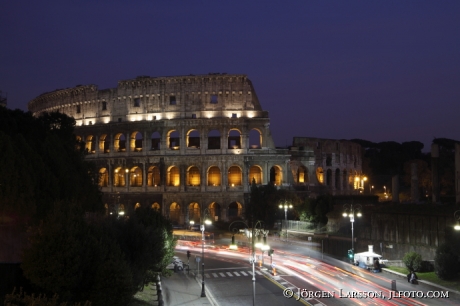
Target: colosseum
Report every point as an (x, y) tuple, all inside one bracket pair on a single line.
[(186, 145)]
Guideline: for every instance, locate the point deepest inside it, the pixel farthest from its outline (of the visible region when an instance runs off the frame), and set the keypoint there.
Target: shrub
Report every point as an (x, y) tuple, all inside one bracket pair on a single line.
[(413, 261), (446, 263), (427, 266)]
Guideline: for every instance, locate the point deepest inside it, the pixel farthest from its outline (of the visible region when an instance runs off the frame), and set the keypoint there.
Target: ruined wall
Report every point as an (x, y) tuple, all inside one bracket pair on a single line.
[(333, 164)]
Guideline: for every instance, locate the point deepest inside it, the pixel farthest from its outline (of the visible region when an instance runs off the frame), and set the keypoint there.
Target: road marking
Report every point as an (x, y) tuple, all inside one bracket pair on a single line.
[(207, 275), (229, 274), (222, 274), (215, 275), (236, 273), (259, 273), (244, 273), (250, 273)]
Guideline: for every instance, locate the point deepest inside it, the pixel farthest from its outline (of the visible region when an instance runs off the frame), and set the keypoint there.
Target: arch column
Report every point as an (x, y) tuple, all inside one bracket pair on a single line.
[(110, 180), (144, 176)]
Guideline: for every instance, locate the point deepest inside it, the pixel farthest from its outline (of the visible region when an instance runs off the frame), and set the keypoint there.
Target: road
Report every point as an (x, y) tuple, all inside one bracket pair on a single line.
[(311, 278)]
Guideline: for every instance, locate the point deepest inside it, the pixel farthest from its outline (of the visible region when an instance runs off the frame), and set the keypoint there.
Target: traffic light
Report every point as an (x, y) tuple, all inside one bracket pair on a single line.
[(350, 254), (188, 254), (270, 252)]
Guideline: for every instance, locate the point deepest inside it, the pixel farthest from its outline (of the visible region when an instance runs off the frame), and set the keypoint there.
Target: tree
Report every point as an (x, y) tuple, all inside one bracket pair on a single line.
[(446, 262), (413, 261), (75, 259)]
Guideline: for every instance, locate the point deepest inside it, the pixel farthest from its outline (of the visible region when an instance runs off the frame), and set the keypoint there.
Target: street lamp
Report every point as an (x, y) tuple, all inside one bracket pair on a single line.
[(457, 219), (256, 229), (285, 206), (350, 212), (204, 220)]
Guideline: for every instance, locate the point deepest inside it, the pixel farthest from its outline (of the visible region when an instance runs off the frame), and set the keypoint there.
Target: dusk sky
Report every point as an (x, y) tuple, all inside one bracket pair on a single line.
[(375, 70)]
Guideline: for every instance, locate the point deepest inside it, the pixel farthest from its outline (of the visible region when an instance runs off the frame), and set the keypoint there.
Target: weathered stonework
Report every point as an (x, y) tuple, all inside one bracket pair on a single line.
[(185, 143)]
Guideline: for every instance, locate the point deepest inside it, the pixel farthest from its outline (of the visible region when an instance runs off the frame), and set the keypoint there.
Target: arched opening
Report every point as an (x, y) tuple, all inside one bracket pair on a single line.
[(173, 176), (329, 177), (156, 206), (119, 143), (121, 209), (174, 140), (255, 174), (103, 177), (137, 205), (214, 176), (255, 139), (193, 139), (174, 213), (234, 176), (91, 144), (337, 179), (320, 175), (194, 212), (106, 209), (155, 141), (153, 177), (135, 177), (79, 144), (193, 176), (234, 139), (214, 140), (119, 177), (234, 210), (302, 175), (104, 144), (345, 180), (276, 176), (136, 142), (215, 211)]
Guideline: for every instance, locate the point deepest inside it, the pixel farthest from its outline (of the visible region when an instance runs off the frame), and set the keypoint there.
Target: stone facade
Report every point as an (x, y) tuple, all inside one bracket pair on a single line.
[(334, 166), (189, 145)]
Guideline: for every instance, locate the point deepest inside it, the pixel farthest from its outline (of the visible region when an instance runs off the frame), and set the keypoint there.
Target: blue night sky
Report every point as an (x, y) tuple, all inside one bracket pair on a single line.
[(375, 70)]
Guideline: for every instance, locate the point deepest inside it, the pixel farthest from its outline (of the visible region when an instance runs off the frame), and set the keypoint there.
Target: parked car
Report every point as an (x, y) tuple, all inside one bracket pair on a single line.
[(176, 263)]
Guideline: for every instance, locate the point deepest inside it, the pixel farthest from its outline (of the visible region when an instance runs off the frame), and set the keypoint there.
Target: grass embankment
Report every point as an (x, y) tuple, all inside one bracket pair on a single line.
[(431, 277)]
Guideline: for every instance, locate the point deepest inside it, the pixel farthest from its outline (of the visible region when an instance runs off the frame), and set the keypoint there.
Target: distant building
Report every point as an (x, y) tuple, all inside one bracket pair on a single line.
[(187, 143)]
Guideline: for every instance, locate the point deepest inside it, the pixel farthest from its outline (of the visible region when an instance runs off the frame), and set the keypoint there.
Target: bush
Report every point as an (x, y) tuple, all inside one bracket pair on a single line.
[(413, 261), (23, 299), (446, 262), (427, 266)]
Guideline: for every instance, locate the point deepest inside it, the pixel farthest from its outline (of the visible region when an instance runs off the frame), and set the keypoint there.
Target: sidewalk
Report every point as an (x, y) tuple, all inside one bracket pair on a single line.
[(183, 289)]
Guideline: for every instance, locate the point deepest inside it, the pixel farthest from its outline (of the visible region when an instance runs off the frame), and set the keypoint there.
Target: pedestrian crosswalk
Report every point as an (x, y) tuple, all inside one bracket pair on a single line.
[(230, 274)]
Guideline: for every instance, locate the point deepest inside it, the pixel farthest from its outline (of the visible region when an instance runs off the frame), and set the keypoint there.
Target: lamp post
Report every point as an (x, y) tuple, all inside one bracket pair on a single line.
[(350, 212), (286, 207), (457, 219), (204, 221), (256, 229)]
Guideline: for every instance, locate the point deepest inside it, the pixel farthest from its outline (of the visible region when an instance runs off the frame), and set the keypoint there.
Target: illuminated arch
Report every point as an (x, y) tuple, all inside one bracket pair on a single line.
[(173, 176), (235, 210), (156, 206), (173, 137), (135, 177), (193, 139), (90, 144), (174, 212), (215, 210), (234, 139), (119, 177), (119, 143), (193, 176), (103, 177), (235, 176), (320, 175), (255, 173), (135, 142), (104, 144), (194, 212), (153, 177), (214, 176), (255, 139), (276, 175)]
